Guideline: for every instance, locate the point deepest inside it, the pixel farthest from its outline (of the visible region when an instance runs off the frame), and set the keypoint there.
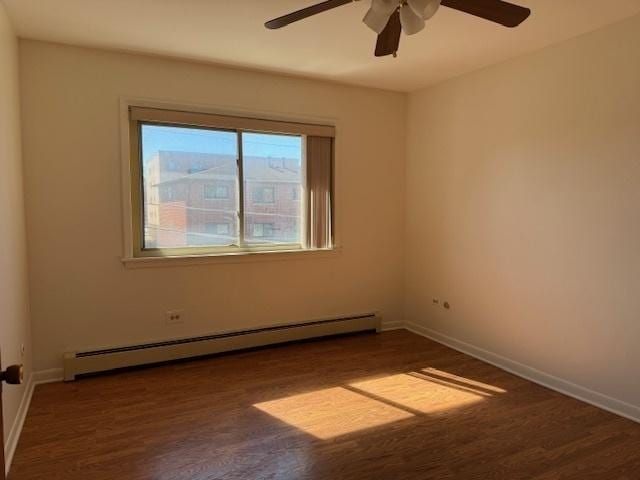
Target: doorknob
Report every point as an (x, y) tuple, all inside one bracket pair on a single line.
[(13, 375)]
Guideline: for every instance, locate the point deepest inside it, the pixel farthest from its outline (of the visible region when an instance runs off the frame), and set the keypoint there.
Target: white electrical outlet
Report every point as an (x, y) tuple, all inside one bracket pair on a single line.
[(174, 316)]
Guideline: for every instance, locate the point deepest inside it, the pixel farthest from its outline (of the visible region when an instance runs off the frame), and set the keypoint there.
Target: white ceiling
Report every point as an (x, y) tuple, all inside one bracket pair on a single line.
[(334, 45)]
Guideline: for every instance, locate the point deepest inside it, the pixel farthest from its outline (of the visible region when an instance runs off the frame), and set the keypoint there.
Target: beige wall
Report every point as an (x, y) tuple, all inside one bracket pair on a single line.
[(521, 207), (523, 210), (82, 295), (14, 311)]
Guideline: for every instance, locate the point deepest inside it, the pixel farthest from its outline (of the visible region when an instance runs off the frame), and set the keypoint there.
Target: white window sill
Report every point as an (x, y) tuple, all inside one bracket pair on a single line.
[(235, 257)]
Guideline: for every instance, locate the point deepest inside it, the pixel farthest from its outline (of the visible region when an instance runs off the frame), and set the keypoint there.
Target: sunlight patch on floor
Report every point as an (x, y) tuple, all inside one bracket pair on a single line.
[(332, 412), (364, 404), (419, 393), (462, 380)]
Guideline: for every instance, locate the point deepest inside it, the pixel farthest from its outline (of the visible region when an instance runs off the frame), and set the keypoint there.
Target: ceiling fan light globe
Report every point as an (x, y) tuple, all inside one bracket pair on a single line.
[(425, 9), (431, 9), (411, 23), (376, 21), (384, 7)]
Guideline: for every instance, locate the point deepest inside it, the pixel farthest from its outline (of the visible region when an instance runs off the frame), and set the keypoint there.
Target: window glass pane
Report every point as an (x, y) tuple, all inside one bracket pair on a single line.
[(272, 170), (190, 187)]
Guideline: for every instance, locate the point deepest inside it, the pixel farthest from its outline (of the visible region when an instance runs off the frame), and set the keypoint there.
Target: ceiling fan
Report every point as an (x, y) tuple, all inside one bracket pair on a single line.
[(389, 18)]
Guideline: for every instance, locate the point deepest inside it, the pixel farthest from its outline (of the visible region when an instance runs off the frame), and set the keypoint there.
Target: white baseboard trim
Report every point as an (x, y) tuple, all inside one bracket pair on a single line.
[(600, 400), (386, 326), (18, 423), (48, 376), (36, 378)]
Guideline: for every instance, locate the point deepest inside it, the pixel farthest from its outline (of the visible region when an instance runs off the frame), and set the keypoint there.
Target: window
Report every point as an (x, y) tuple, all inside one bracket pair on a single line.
[(263, 194), (169, 193), (260, 230), (271, 182), (216, 192), (215, 228)]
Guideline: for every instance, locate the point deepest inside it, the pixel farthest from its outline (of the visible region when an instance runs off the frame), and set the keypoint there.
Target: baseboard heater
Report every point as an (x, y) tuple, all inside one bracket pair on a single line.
[(93, 361)]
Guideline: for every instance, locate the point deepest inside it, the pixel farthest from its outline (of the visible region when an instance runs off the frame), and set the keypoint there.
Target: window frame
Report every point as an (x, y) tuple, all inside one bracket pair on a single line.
[(134, 235)]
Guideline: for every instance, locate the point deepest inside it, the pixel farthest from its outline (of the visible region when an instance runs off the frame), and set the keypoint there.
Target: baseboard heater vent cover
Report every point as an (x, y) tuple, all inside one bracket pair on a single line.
[(83, 362)]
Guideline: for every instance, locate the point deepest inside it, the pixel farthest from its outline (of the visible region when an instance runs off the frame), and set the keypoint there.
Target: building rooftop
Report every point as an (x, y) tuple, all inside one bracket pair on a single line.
[(176, 166)]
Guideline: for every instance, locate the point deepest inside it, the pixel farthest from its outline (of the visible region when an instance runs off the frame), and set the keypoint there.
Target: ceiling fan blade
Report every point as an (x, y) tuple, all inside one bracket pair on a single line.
[(304, 13), (389, 40), (504, 13)]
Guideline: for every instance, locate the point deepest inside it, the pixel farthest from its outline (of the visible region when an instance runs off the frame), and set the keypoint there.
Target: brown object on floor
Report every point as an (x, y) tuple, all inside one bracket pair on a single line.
[(387, 406)]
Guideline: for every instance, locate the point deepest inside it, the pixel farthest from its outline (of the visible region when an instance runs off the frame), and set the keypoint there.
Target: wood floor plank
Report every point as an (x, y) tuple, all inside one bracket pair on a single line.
[(385, 406)]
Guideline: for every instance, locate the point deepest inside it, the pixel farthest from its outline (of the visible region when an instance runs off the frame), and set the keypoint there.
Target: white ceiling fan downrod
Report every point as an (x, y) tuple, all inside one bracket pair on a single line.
[(413, 14)]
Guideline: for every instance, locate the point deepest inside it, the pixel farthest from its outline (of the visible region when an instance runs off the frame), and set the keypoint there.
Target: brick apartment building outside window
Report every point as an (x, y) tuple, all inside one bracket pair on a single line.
[(198, 206)]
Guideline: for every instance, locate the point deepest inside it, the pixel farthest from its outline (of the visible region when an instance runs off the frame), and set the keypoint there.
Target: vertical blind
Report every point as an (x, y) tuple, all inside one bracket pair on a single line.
[(320, 191)]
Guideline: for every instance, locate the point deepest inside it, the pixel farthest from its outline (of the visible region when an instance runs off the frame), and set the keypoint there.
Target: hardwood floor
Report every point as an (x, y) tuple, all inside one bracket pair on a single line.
[(387, 406)]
